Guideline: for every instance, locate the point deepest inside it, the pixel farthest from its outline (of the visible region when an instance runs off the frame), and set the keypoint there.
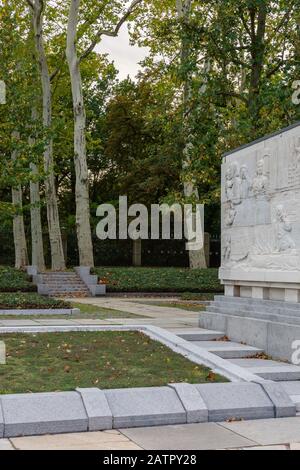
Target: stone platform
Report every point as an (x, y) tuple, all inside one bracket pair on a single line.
[(273, 326)]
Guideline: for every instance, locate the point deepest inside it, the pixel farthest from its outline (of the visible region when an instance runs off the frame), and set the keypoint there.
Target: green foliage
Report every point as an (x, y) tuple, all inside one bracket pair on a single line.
[(13, 280), (19, 301), (159, 279)]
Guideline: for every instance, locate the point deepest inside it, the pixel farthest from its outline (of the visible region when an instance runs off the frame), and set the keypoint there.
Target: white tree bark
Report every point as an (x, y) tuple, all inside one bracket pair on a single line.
[(196, 257), (37, 249), (84, 236), (57, 253), (21, 254)]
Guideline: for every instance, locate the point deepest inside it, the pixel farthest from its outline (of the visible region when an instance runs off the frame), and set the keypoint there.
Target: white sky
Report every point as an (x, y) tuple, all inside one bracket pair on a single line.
[(125, 56)]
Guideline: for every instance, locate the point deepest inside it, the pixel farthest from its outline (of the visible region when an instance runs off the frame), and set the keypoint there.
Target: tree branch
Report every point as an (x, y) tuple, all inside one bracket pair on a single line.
[(113, 33)]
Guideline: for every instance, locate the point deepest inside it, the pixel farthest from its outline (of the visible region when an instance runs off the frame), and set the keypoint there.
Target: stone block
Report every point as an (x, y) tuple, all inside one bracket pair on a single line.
[(284, 407), (97, 409), (31, 270), (248, 331), (192, 401), (43, 289), (97, 290), (145, 407), (292, 295), (43, 413), (236, 401)]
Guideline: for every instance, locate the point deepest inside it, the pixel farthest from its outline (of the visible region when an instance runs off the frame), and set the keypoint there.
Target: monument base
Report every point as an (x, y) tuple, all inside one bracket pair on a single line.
[(273, 326), (262, 284)]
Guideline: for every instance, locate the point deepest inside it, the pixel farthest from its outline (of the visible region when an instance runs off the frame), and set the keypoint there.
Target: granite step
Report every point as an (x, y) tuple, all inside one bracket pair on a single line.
[(228, 349), (273, 304), (270, 370), (291, 320), (197, 334), (267, 309)]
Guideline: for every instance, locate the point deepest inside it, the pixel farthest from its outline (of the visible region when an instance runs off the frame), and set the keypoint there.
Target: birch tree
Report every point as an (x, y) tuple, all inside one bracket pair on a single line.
[(57, 253), (74, 59), (21, 254)]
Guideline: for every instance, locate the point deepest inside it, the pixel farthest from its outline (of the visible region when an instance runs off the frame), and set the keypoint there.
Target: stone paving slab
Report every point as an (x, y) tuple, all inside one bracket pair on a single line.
[(236, 401), (18, 322), (5, 444), (295, 446), (205, 436), (43, 413), (227, 350), (82, 441), (268, 432), (57, 322), (145, 407), (97, 409), (283, 447), (86, 321)]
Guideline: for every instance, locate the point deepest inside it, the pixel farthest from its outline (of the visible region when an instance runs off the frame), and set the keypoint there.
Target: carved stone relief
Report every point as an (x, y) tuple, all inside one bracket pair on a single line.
[(261, 210), (294, 165)]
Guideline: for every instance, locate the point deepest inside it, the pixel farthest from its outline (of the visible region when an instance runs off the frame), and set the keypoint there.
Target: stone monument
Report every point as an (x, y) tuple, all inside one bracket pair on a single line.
[(260, 267), (261, 219)]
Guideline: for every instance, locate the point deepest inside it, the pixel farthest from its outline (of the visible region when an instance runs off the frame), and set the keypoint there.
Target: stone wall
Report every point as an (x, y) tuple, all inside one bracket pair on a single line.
[(261, 218)]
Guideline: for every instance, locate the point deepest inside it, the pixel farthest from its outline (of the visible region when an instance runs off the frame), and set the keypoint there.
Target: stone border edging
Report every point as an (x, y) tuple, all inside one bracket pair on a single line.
[(98, 410), (41, 311), (249, 397)]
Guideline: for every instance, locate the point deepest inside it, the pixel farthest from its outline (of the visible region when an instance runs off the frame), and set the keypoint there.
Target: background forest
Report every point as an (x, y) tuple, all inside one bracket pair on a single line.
[(218, 74)]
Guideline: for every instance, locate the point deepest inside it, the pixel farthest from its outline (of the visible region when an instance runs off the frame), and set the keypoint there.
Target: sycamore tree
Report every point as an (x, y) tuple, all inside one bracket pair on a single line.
[(37, 8), (106, 20)]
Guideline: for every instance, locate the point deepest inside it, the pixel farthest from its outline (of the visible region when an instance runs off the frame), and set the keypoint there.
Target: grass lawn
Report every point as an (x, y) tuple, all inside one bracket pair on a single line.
[(14, 280), (160, 279), (63, 361)]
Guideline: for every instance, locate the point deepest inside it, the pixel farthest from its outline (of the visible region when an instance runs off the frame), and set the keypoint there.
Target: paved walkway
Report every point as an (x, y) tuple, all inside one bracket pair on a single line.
[(272, 434)]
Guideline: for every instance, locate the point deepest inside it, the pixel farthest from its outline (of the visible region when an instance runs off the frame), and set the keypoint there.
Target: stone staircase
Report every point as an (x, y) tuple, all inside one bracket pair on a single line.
[(251, 358), (272, 326), (62, 284)]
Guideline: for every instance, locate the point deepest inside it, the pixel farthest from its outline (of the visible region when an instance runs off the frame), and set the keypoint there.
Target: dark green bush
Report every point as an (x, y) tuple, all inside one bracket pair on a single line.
[(14, 280)]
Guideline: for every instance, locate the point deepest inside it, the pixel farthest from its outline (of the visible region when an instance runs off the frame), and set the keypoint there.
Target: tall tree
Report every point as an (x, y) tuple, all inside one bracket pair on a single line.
[(84, 236), (21, 254), (197, 255), (57, 253)]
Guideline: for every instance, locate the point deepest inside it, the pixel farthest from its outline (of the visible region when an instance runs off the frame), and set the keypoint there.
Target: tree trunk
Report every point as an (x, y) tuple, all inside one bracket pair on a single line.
[(196, 257), (21, 254), (57, 254), (84, 236), (38, 258), (257, 59)]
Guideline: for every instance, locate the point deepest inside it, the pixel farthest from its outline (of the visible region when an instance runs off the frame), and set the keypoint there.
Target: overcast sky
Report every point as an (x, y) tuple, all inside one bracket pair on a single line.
[(125, 57)]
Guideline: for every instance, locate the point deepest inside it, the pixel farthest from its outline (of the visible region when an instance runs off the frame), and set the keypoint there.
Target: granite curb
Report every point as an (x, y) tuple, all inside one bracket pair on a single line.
[(43, 311)]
